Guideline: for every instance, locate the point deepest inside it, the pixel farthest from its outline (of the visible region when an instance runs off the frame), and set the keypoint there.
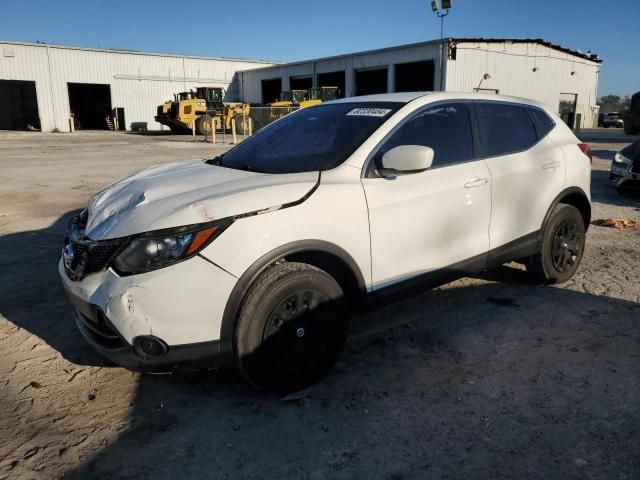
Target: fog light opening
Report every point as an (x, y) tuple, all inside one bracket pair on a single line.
[(149, 346)]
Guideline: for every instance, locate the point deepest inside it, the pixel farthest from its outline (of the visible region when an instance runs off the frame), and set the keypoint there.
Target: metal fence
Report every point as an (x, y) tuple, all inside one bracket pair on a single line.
[(263, 116), (235, 125)]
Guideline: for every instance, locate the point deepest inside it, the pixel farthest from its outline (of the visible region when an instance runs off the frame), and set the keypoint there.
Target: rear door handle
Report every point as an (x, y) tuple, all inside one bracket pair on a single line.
[(476, 182), (550, 165)]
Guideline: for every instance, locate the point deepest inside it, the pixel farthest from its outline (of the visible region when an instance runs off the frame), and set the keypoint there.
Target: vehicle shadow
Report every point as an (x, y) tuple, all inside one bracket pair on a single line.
[(603, 192), (152, 133), (475, 380), (31, 295)]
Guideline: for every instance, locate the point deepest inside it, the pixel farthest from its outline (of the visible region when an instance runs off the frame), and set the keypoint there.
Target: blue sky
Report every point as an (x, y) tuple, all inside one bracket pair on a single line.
[(289, 30)]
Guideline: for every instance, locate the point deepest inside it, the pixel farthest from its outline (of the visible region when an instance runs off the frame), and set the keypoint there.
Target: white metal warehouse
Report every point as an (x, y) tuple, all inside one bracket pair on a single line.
[(40, 85), (565, 79)]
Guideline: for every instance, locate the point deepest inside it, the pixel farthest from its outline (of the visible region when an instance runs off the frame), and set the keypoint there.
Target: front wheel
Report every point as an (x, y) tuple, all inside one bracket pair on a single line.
[(562, 247), (242, 125), (203, 125), (291, 327)]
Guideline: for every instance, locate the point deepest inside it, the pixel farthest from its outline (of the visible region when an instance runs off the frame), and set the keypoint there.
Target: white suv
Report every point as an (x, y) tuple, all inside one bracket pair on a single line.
[(254, 257)]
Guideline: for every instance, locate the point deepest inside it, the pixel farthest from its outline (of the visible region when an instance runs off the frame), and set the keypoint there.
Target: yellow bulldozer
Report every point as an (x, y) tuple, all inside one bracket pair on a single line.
[(306, 98), (189, 109)]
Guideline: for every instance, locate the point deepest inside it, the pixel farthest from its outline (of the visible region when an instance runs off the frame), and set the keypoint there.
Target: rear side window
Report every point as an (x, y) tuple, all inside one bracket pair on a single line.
[(504, 128), (446, 128), (544, 123)]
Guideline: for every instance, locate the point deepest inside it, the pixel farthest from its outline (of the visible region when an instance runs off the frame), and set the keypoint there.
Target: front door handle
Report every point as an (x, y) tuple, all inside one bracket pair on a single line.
[(476, 182), (550, 165)]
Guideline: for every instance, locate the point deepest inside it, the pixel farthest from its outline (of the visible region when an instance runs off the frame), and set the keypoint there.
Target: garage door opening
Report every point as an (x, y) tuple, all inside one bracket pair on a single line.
[(300, 83), (333, 79), (90, 105), (415, 76), (271, 90), (371, 81), (567, 109), (18, 105)]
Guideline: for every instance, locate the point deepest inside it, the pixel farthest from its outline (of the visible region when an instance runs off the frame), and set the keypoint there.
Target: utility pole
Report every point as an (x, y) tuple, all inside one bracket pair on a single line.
[(441, 9)]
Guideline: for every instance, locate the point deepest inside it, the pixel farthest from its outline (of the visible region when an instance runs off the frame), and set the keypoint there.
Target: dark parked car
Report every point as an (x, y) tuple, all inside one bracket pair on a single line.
[(632, 118), (625, 168), (612, 119)]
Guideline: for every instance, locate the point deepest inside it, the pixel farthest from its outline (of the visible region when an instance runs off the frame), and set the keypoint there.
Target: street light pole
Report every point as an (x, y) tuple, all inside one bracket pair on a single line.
[(441, 9)]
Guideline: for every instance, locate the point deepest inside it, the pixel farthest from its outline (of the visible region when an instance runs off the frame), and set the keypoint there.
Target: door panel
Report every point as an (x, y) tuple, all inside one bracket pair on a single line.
[(526, 172), (427, 221), (524, 186)]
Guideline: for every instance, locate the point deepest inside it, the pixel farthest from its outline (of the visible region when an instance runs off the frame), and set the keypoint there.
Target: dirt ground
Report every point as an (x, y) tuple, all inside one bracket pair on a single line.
[(483, 378)]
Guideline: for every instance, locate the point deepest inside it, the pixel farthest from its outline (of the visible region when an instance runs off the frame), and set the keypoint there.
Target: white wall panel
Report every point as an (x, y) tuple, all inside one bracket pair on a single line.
[(139, 82), (511, 67)]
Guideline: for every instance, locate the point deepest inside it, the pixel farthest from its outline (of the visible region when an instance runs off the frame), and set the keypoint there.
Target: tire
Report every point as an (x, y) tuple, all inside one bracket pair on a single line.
[(242, 126), (562, 247), (291, 327), (203, 125)]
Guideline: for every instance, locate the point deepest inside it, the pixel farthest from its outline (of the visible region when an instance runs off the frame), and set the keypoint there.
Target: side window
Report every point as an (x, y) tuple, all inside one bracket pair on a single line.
[(544, 123), (445, 128), (504, 128)]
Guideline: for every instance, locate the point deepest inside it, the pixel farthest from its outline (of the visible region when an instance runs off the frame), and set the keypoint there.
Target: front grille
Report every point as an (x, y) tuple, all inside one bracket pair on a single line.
[(636, 166), (159, 111), (174, 110), (83, 256)]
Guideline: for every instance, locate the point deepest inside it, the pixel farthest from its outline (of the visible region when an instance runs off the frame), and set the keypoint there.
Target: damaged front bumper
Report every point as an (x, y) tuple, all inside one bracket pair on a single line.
[(180, 306)]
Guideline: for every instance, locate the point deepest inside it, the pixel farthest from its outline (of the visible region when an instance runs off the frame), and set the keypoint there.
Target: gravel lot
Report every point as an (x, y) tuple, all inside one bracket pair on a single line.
[(482, 378)]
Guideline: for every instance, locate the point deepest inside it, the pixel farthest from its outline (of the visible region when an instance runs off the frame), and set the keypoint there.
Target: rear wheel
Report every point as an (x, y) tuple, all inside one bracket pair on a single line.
[(291, 327), (562, 247)]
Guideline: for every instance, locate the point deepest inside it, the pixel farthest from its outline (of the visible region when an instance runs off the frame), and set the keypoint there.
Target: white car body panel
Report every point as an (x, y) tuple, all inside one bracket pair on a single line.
[(335, 213), (181, 304), (537, 173), (440, 222), (184, 193)]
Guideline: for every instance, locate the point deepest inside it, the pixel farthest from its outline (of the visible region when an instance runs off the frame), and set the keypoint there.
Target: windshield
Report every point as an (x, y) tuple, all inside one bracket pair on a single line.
[(310, 139)]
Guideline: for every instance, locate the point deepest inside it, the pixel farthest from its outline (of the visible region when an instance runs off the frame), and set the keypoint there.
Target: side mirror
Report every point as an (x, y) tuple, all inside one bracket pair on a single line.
[(408, 159)]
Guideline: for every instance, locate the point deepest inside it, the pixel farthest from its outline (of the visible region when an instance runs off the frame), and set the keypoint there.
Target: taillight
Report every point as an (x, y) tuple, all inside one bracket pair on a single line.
[(584, 148)]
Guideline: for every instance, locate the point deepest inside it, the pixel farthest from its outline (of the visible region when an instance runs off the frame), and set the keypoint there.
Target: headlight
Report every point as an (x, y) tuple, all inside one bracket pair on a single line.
[(619, 158), (160, 249)]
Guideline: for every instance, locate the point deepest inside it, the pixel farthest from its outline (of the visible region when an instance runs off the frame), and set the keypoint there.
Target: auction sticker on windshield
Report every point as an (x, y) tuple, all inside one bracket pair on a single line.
[(369, 112)]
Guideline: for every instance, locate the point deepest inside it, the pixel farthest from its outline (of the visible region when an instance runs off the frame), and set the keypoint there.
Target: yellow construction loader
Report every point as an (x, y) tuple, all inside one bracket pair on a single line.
[(306, 98), (189, 109)]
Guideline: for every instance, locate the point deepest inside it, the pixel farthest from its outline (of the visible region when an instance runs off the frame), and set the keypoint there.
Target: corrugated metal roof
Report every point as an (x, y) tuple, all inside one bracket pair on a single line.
[(587, 56), (134, 52)]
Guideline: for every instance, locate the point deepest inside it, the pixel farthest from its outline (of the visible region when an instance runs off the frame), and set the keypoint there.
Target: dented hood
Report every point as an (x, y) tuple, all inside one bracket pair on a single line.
[(185, 193)]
